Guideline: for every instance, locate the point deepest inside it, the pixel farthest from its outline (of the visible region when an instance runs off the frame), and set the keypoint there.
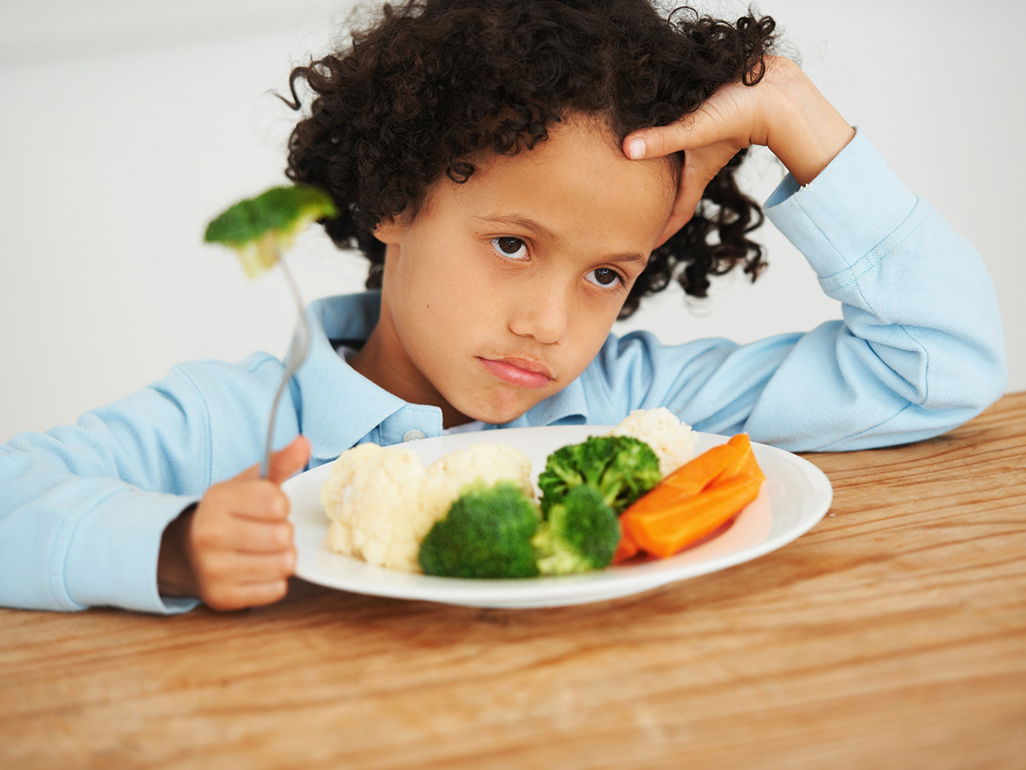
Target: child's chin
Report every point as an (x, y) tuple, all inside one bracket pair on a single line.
[(498, 414)]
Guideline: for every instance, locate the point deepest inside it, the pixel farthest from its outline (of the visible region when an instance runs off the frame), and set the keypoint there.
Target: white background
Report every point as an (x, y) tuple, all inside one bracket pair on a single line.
[(126, 125)]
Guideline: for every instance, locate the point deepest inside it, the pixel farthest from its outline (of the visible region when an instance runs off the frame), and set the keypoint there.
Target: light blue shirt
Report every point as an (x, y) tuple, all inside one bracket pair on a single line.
[(919, 351)]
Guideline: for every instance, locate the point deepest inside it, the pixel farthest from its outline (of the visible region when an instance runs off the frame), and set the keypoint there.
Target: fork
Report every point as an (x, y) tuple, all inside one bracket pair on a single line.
[(298, 351)]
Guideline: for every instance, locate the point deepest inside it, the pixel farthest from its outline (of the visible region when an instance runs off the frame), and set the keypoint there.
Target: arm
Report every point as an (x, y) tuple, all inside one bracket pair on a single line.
[(920, 349), (83, 509)]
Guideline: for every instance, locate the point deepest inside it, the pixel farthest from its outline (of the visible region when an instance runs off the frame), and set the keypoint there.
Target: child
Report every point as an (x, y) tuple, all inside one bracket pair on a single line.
[(520, 174)]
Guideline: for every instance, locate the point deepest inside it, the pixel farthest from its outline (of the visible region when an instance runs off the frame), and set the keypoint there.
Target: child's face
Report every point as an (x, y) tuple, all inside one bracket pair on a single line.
[(502, 290)]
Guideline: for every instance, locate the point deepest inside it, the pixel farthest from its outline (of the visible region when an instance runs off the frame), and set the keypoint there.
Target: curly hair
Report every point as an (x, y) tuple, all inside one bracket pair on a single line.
[(433, 84)]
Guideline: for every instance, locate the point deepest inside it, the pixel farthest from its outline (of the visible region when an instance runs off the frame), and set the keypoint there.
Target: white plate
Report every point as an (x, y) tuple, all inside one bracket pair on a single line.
[(794, 497)]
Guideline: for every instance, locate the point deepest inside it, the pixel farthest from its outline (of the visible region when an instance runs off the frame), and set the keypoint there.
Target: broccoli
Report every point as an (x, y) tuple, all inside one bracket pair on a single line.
[(261, 228), (580, 534), (497, 532), (622, 468), (486, 534)]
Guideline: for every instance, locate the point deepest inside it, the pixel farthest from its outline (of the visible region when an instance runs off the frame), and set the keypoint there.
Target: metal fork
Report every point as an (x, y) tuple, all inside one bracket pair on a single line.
[(297, 354)]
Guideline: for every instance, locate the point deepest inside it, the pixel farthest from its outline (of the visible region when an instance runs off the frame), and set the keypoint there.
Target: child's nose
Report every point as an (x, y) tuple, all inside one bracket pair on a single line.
[(543, 315)]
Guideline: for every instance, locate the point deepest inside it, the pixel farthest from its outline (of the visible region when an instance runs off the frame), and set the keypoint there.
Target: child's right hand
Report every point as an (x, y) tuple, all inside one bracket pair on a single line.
[(235, 549)]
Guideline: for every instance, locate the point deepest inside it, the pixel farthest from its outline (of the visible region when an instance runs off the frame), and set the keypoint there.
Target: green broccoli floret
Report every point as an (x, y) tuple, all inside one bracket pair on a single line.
[(580, 534), (486, 534), (261, 228), (622, 468)]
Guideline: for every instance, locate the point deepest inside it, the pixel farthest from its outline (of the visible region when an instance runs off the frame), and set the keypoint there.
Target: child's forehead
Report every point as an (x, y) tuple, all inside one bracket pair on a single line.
[(580, 140), (577, 146), (575, 182)]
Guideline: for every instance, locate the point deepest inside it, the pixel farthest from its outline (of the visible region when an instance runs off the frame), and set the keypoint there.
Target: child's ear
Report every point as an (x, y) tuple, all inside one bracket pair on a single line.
[(389, 230)]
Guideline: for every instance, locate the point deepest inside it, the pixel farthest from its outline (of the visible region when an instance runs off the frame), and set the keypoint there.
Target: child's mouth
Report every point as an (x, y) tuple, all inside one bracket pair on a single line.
[(518, 371)]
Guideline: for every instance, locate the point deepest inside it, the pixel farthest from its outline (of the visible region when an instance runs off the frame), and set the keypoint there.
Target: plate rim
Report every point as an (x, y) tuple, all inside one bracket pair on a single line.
[(602, 585)]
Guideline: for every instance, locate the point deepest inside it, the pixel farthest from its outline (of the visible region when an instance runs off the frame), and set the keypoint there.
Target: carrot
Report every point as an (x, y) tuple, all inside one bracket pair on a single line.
[(739, 461), (694, 476), (626, 548), (720, 462), (750, 467), (694, 500), (664, 533)]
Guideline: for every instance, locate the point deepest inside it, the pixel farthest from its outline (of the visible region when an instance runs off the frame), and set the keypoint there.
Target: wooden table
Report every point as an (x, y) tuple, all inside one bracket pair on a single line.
[(891, 635)]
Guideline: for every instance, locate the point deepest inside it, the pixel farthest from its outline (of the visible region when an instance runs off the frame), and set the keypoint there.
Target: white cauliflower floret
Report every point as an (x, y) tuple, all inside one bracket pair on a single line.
[(487, 463), (390, 480), (672, 440), (382, 501)]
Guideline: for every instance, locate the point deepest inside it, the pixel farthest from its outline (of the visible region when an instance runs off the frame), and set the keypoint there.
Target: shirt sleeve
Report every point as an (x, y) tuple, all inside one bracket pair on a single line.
[(919, 349), (83, 507)]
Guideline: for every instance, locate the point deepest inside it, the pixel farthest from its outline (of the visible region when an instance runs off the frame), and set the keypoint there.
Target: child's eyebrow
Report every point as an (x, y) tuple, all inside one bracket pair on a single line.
[(522, 223), (526, 223)]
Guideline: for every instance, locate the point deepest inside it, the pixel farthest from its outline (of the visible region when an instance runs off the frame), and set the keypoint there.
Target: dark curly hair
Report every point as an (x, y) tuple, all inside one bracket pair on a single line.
[(435, 83)]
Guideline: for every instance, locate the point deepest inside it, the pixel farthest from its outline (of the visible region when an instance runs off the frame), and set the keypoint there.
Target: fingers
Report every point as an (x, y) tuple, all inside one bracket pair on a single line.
[(240, 541), (689, 132), (226, 598), (247, 498), (289, 460), (683, 210), (243, 532), (241, 562), (719, 119), (709, 137), (700, 166), (246, 569), (284, 463), (232, 579), (734, 113)]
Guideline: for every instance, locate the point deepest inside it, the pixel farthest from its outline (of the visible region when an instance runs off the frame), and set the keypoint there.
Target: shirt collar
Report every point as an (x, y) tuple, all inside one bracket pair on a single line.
[(339, 407)]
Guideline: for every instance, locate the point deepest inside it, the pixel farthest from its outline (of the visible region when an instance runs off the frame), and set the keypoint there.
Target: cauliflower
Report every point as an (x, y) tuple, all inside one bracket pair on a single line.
[(382, 500), (672, 440)]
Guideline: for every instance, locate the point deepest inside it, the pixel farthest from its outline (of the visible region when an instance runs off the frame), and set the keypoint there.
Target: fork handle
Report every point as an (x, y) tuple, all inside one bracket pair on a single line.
[(291, 365), (265, 463)]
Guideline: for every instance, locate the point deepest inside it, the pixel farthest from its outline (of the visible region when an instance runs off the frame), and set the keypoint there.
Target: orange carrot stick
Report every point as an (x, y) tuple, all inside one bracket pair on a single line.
[(716, 464), (750, 467), (738, 461), (664, 533), (693, 501), (626, 548), (696, 475)]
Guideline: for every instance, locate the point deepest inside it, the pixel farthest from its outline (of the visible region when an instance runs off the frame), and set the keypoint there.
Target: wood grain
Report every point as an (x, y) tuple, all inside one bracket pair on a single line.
[(892, 635)]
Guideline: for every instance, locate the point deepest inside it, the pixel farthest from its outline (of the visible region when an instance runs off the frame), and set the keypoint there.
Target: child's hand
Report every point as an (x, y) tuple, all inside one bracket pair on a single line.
[(234, 549), (785, 112)]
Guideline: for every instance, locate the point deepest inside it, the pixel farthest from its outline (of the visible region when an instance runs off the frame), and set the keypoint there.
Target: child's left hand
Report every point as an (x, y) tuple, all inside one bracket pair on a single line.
[(784, 111)]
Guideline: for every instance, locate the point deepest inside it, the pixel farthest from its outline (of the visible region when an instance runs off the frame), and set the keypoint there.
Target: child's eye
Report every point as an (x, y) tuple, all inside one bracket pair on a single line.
[(509, 247), (605, 277)]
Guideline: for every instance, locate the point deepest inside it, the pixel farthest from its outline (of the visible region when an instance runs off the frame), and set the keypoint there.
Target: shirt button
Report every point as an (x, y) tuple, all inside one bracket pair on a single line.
[(413, 435)]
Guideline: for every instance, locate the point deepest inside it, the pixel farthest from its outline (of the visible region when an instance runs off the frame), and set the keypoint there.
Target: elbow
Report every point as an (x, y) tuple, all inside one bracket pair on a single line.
[(980, 361), (966, 384), (991, 382), (986, 373)]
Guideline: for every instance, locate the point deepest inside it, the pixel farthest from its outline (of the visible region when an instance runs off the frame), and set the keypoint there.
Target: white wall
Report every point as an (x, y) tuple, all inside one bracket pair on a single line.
[(126, 125)]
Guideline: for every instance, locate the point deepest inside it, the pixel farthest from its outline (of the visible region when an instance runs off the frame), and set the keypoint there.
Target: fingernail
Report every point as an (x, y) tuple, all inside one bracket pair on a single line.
[(636, 148)]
